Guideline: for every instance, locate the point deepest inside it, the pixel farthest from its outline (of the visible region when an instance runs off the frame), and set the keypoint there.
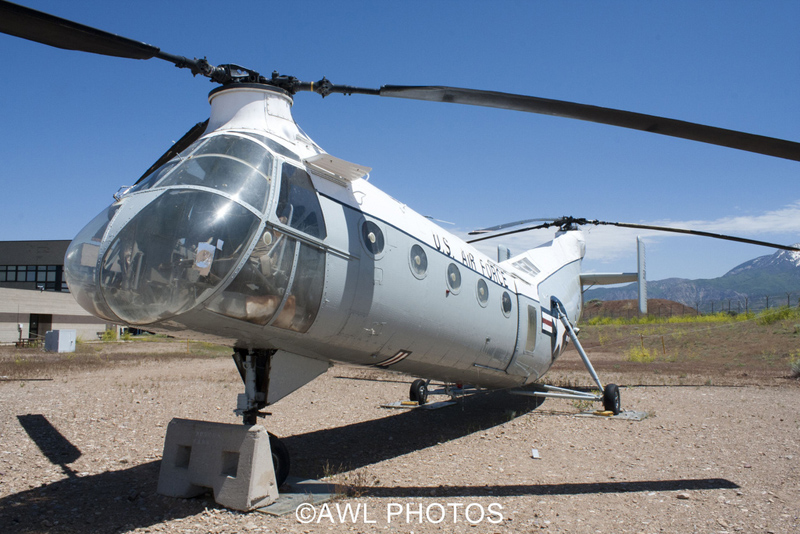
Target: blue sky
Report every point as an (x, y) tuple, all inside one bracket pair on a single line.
[(75, 126)]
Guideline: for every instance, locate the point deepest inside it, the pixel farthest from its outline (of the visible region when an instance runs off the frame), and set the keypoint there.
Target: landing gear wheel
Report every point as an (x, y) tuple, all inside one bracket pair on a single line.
[(419, 391), (280, 459), (611, 402)]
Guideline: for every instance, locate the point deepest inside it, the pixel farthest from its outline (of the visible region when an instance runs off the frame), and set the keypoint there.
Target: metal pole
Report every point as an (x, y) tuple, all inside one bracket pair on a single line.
[(562, 315)]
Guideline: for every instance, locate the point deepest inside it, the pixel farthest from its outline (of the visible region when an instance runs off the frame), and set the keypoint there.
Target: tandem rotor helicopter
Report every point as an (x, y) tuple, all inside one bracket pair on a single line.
[(247, 233)]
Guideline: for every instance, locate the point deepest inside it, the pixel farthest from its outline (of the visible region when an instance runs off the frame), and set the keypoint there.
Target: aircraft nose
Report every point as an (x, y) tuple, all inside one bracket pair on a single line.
[(167, 258)]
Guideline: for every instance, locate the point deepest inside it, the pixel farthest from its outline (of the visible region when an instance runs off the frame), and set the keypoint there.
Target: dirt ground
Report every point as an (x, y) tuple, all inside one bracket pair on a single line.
[(81, 439)]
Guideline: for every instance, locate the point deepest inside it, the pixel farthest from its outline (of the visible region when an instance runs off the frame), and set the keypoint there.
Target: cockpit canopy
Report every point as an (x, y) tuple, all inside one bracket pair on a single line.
[(173, 241)]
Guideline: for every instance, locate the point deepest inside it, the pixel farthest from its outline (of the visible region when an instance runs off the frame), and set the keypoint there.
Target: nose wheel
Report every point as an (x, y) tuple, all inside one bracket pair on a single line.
[(280, 459), (611, 402), (419, 391)]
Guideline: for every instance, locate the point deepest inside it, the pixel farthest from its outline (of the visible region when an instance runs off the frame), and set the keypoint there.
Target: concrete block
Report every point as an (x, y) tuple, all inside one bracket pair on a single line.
[(233, 460)]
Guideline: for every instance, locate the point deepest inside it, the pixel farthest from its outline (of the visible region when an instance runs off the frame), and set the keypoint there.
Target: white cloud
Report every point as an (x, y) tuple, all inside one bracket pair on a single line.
[(780, 221), (608, 243)]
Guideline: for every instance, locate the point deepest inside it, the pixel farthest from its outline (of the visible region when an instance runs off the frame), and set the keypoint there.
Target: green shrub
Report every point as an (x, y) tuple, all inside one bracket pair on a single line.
[(794, 363), (722, 317), (109, 335), (773, 315), (640, 354)]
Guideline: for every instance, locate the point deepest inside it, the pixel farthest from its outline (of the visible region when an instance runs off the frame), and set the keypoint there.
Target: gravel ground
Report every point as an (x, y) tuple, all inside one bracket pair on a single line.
[(80, 453)]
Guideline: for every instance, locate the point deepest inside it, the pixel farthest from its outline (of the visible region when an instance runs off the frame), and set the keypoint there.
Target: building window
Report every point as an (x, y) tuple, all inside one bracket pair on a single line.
[(42, 277)]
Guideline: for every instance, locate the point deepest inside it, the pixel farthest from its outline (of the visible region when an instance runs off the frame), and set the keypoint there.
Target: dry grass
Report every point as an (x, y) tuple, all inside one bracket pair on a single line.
[(35, 363), (758, 350)]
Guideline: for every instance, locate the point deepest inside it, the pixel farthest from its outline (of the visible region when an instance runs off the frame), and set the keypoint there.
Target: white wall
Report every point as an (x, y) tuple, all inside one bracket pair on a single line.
[(16, 305)]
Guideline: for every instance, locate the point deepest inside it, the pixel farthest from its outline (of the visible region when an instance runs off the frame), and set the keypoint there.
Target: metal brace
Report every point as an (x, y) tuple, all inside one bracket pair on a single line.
[(564, 393)]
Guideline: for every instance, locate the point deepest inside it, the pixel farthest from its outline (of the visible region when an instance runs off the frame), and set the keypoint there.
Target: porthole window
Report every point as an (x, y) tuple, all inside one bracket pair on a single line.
[(453, 278), (372, 237), (418, 261), (506, 303), (483, 292)]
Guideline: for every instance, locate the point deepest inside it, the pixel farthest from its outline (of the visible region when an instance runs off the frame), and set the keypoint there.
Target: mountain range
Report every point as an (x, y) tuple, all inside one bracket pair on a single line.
[(773, 275)]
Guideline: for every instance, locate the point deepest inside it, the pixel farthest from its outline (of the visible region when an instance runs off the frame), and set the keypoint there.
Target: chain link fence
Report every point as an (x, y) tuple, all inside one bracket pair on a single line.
[(732, 305)]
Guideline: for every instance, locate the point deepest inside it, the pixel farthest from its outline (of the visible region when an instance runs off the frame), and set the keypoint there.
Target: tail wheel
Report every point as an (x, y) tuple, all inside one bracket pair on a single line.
[(611, 401), (280, 459), (419, 391)]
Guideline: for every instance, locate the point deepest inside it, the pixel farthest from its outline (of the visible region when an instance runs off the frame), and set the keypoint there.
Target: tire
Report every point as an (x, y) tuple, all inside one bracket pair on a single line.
[(418, 391), (611, 400), (280, 459)]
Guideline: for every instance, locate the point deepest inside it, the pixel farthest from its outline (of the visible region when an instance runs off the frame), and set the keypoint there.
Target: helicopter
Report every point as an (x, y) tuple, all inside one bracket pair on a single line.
[(248, 234)]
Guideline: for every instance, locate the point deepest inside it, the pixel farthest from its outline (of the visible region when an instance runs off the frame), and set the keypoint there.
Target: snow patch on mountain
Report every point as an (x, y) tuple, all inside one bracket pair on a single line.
[(782, 260)]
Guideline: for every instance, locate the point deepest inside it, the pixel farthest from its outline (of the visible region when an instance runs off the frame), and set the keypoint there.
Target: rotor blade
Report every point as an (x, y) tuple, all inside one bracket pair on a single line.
[(21, 21), (687, 130), (44, 28), (180, 145), (517, 231), (509, 225), (695, 232)]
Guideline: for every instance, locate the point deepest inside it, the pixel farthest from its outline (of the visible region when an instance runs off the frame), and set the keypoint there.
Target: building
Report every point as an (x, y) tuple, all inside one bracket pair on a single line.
[(34, 296)]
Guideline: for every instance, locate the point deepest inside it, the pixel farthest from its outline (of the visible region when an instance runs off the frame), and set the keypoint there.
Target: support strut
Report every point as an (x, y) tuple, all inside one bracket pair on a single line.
[(609, 395), (253, 367), (561, 314)]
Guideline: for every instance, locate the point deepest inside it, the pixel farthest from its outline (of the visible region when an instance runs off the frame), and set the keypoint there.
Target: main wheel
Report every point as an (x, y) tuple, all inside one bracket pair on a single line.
[(280, 459), (419, 391), (611, 401)]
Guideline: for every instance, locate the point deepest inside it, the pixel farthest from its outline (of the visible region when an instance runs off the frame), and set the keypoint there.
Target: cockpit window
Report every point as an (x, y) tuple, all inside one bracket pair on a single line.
[(298, 205), (230, 164), (237, 147), (275, 147), (155, 176), (162, 171), (280, 284)]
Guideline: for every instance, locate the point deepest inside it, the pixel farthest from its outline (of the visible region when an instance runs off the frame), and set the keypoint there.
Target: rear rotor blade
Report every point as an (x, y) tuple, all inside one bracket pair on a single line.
[(44, 28), (696, 232), (570, 222), (687, 130)]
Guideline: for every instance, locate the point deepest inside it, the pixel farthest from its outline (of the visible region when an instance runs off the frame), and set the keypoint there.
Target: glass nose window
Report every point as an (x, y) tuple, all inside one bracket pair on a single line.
[(173, 253), (230, 164), (80, 264)]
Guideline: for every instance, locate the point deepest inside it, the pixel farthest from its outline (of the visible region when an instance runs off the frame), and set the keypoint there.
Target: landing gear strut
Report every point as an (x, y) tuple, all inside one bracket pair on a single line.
[(609, 394), (253, 367)]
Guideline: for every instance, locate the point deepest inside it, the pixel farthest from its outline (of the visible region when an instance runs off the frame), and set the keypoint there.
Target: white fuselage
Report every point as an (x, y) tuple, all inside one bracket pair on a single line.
[(256, 238)]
